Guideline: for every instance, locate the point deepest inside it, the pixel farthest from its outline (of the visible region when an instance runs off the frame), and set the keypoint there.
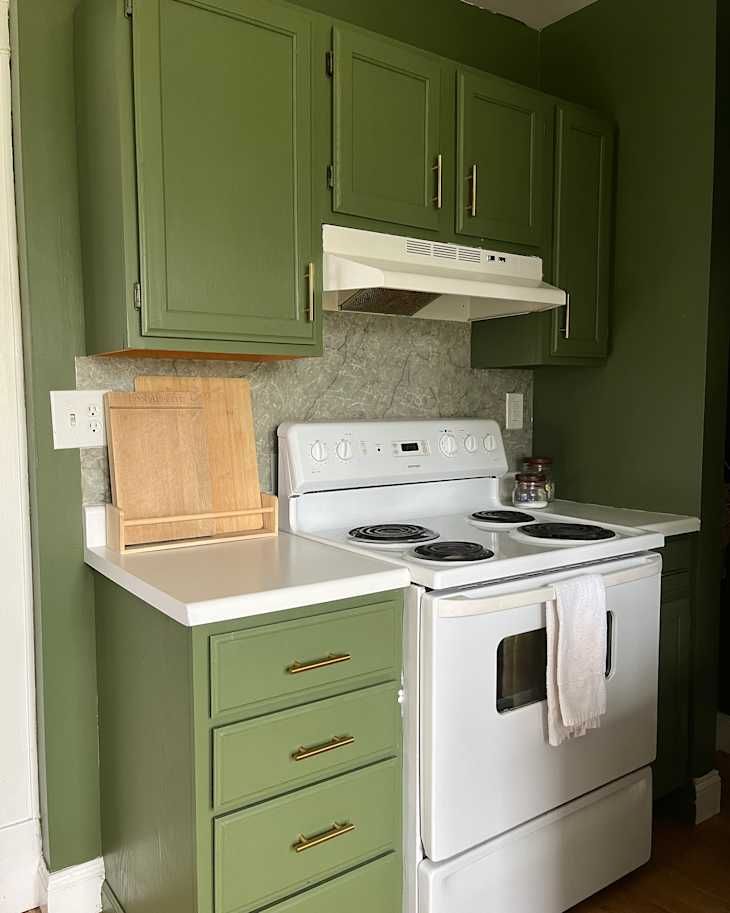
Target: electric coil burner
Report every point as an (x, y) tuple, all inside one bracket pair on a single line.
[(392, 534), (501, 517), (562, 532), (460, 552)]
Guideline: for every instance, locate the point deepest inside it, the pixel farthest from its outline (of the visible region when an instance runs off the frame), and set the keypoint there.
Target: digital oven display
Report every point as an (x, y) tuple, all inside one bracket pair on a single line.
[(410, 448)]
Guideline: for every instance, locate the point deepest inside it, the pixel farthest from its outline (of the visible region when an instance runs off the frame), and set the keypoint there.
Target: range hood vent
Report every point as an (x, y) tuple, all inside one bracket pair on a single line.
[(375, 273)]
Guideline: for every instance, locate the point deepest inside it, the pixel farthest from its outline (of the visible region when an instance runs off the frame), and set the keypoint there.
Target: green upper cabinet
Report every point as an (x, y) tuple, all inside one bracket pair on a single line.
[(502, 142), (221, 140), (389, 156), (580, 260), (582, 256)]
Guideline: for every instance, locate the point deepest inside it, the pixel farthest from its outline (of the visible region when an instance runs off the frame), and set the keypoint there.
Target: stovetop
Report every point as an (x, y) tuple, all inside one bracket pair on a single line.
[(493, 554), (437, 484)]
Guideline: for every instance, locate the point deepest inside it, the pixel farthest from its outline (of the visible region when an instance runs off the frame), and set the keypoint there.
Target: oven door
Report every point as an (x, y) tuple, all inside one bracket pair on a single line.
[(486, 765)]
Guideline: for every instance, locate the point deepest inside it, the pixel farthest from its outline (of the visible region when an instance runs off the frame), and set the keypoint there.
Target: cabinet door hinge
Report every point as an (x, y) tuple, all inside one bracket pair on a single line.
[(331, 176), (128, 8), (329, 63), (137, 296)]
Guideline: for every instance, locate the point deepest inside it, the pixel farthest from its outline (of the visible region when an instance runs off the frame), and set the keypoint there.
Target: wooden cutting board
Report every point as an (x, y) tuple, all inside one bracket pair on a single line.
[(158, 462), (228, 419)]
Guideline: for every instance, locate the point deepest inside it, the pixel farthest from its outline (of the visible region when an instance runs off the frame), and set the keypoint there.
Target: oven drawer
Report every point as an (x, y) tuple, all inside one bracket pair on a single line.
[(373, 888), (274, 849), (550, 864), (295, 662), (286, 750)]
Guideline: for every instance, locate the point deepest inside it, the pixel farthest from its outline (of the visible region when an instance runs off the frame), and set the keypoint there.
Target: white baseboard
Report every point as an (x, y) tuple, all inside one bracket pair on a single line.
[(73, 890), (723, 732), (20, 853), (708, 796)]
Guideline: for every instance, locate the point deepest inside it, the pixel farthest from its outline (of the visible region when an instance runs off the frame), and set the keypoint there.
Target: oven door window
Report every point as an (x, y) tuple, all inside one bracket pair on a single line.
[(522, 668)]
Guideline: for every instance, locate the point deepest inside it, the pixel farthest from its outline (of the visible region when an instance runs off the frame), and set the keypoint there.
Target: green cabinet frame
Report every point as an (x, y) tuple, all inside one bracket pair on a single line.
[(503, 132), (197, 230), (167, 845), (389, 158), (580, 260)]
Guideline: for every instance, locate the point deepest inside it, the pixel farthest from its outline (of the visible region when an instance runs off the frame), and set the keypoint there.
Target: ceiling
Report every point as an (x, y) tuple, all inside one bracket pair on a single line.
[(535, 13)]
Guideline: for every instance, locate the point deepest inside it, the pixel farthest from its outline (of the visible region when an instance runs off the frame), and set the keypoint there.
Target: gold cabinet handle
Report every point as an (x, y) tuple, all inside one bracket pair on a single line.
[(439, 169), (331, 660), (308, 843), (566, 331), (338, 741), (472, 207), (310, 293)]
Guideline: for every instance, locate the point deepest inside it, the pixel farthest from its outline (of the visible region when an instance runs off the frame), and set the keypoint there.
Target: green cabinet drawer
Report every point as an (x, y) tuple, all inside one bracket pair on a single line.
[(676, 555), (280, 847), (374, 888), (297, 662), (282, 751)]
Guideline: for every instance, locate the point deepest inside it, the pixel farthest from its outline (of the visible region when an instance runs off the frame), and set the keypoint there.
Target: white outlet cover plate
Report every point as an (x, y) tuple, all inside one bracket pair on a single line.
[(515, 409), (77, 417)]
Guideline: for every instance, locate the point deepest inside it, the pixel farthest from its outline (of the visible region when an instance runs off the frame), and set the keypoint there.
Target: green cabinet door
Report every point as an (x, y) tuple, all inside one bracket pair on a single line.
[(502, 134), (223, 120), (582, 232), (389, 158), (672, 761)]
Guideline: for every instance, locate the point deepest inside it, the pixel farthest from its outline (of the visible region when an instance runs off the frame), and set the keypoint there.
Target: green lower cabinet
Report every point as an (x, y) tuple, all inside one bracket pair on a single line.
[(671, 768), (374, 888), (289, 798), (281, 847), (581, 259)]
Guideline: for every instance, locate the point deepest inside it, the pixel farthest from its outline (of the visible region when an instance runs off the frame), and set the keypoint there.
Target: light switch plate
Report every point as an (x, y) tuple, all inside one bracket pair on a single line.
[(78, 418), (515, 411)]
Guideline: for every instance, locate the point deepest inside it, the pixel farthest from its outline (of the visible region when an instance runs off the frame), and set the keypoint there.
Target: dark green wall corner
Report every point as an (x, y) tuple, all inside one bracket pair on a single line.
[(646, 428)]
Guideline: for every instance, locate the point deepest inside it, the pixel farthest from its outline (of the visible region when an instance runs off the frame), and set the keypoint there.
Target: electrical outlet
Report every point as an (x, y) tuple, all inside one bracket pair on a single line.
[(78, 418), (515, 409)]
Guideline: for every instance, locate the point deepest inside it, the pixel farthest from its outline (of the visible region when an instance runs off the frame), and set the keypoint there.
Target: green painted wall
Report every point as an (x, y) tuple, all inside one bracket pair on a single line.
[(50, 276), (53, 327), (634, 432)]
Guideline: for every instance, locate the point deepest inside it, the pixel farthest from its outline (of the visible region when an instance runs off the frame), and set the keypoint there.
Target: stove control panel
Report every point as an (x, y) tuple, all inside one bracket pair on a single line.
[(322, 456)]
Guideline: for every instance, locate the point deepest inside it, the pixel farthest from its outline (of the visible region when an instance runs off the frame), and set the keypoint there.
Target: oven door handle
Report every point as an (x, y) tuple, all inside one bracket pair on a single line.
[(463, 607)]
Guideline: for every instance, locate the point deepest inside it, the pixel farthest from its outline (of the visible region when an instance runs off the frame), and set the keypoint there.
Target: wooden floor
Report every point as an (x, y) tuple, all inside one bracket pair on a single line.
[(689, 871)]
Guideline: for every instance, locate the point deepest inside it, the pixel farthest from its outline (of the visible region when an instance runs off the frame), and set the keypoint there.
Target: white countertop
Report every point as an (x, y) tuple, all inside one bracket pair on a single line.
[(220, 582), (668, 524)]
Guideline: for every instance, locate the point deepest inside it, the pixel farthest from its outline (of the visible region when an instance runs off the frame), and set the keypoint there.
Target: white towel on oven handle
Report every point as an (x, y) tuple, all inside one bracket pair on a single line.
[(576, 657)]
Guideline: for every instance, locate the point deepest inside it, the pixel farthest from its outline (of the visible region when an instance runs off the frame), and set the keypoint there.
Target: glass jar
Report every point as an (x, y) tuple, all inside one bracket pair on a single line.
[(542, 466), (530, 490)]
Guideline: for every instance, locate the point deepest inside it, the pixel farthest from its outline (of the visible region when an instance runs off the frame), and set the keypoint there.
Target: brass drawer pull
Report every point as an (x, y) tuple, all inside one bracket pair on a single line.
[(338, 741), (330, 660), (310, 293), (472, 207), (308, 843), (438, 168)]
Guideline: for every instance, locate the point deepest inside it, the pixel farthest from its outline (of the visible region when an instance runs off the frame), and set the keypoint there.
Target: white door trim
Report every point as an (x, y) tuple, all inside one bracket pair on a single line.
[(20, 847)]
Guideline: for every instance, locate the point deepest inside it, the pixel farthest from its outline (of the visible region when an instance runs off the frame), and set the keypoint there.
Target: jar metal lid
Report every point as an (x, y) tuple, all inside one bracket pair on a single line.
[(531, 478), (539, 461)]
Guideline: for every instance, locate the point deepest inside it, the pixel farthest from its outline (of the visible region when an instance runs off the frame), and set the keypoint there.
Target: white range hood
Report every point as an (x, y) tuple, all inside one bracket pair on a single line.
[(369, 272)]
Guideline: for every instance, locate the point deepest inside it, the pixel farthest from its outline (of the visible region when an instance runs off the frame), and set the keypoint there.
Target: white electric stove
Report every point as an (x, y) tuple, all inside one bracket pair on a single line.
[(496, 819)]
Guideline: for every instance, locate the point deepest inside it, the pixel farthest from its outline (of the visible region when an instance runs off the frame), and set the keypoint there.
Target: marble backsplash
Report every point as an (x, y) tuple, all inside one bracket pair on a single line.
[(373, 367)]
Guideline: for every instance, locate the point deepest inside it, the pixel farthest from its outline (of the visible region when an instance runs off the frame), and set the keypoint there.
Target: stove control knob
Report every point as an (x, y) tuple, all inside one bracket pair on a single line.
[(490, 443), (343, 449), (470, 443), (318, 451), (448, 445)]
